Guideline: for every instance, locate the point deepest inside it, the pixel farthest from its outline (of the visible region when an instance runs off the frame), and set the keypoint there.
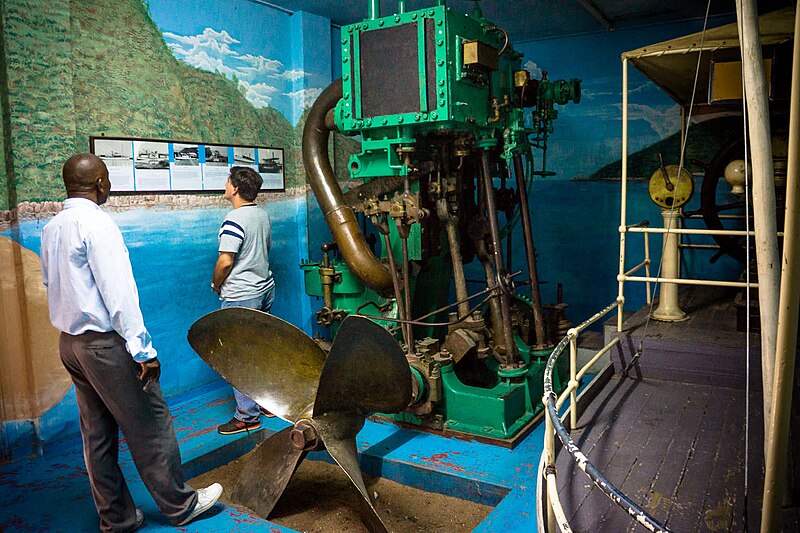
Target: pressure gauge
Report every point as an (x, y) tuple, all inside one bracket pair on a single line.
[(668, 189)]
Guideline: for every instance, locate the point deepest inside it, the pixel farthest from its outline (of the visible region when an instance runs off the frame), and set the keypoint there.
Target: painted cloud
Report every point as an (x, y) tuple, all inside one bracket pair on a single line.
[(260, 77)]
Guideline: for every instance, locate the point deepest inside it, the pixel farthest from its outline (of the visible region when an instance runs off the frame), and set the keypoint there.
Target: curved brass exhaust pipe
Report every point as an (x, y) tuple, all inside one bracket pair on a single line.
[(340, 217)]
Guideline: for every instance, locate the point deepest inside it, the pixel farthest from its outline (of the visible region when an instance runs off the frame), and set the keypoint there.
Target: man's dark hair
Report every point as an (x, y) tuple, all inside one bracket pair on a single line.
[(248, 181)]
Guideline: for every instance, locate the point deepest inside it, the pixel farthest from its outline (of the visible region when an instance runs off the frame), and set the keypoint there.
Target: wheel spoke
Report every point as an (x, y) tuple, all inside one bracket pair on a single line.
[(727, 207)]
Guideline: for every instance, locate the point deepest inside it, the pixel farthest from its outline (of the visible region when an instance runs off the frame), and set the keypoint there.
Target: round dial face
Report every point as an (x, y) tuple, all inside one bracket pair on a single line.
[(669, 190)]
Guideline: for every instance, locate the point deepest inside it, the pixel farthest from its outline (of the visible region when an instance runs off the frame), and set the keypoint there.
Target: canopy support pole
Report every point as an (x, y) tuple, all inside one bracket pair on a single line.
[(763, 191), (778, 430)]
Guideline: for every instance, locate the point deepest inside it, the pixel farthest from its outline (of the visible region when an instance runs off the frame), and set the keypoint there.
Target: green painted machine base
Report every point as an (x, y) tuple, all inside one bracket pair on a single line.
[(501, 414), (497, 412)]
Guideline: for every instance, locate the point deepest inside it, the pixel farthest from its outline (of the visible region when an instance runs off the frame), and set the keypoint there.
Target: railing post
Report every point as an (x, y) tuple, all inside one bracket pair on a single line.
[(549, 461), (647, 265), (573, 381), (624, 193)]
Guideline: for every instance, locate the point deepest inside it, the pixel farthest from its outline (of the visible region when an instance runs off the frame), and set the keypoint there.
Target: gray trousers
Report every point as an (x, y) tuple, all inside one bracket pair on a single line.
[(111, 397)]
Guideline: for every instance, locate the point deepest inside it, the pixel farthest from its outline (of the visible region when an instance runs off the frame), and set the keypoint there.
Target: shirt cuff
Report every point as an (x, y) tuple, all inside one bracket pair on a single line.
[(145, 356)]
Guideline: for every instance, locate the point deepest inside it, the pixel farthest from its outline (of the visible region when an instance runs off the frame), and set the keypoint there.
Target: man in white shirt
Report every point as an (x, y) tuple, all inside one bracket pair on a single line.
[(108, 352)]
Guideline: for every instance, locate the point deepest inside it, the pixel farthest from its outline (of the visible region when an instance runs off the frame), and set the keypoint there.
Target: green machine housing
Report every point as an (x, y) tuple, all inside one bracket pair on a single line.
[(437, 96)]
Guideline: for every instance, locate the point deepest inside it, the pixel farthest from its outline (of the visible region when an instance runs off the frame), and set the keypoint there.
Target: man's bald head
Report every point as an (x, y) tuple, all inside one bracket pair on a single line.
[(86, 176)]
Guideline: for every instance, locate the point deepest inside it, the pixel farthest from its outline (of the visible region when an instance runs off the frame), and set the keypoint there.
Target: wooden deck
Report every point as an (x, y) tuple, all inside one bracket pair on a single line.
[(671, 436)]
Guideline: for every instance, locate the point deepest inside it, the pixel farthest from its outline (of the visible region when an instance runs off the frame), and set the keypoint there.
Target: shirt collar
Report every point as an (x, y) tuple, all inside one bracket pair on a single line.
[(79, 202)]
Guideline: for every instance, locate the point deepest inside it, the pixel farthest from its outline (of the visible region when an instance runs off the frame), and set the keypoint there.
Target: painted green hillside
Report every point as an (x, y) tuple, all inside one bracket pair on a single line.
[(704, 140), (101, 67), (39, 79)]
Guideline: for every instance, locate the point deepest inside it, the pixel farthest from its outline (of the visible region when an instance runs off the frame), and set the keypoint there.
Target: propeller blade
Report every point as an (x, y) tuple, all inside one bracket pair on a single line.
[(338, 432), (266, 358), (264, 478), (366, 371)]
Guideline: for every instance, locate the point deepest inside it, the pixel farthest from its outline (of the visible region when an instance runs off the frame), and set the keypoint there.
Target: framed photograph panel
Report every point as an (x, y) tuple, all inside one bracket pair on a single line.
[(152, 165)]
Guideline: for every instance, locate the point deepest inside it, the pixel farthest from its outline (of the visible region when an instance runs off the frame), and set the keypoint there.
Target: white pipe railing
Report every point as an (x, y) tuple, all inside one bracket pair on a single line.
[(688, 281), (554, 427), (695, 231)]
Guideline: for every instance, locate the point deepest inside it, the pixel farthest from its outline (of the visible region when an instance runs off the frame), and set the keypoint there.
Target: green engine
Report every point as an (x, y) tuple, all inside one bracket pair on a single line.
[(448, 121)]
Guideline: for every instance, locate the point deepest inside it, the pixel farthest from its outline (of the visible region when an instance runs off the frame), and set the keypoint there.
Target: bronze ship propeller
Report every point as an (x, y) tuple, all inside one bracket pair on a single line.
[(325, 398)]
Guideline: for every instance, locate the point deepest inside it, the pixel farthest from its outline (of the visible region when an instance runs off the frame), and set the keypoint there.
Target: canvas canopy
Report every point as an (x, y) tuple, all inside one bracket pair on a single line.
[(672, 64)]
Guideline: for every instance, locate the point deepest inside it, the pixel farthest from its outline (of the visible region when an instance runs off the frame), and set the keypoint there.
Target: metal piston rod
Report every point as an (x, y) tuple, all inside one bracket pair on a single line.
[(542, 340), (509, 353)]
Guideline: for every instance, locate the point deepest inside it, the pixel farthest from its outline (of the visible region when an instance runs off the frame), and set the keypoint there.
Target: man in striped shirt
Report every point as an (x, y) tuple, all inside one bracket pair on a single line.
[(242, 277)]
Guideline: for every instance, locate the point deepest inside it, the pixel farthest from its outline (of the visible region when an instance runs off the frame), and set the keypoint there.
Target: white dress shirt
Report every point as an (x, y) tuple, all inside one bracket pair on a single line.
[(89, 280)]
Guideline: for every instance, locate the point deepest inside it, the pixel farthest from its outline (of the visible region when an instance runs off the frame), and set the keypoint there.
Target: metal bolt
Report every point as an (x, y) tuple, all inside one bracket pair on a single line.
[(303, 435)]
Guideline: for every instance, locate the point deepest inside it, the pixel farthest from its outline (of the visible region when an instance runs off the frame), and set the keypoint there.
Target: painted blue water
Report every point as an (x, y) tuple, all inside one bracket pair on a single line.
[(173, 255)]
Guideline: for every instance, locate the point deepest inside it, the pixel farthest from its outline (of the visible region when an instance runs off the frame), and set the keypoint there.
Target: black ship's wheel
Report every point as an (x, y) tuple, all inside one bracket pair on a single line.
[(731, 245)]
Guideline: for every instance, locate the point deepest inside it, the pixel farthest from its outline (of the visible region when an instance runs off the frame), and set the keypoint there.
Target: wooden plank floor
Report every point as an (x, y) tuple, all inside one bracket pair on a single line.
[(677, 449)]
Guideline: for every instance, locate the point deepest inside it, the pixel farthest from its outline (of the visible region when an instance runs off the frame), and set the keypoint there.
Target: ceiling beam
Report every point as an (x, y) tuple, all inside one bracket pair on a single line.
[(601, 17)]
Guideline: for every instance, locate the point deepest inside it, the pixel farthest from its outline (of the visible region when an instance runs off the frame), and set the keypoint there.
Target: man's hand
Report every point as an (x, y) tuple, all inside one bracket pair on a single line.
[(222, 268), (151, 371)]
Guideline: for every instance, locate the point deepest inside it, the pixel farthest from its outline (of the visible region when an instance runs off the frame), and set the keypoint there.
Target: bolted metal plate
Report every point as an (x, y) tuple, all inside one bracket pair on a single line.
[(366, 371), (266, 358)]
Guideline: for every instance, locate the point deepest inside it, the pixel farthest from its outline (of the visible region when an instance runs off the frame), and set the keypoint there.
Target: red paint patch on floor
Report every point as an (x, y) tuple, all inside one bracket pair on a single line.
[(438, 460), (221, 401), (198, 433)]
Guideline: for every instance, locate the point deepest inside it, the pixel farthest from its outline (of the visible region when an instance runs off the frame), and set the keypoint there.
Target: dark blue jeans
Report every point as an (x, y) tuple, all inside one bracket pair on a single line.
[(246, 409)]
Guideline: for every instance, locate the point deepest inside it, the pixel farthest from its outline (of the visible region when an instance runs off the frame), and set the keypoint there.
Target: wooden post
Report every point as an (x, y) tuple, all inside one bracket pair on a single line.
[(778, 430), (763, 191)]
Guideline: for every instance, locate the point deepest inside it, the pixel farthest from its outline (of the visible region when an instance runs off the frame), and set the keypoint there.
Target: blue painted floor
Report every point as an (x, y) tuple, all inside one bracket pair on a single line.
[(51, 492)]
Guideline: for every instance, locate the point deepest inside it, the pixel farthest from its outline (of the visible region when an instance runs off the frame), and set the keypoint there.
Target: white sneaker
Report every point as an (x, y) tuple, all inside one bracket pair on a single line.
[(139, 519), (206, 498)]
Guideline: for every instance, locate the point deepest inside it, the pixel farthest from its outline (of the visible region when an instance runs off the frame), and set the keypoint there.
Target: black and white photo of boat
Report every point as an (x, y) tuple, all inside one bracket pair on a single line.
[(151, 155), (270, 161), (114, 152), (216, 155), (186, 154), (244, 156)]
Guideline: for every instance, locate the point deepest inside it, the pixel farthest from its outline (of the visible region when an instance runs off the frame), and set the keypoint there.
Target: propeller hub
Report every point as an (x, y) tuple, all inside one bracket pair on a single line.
[(304, 435)]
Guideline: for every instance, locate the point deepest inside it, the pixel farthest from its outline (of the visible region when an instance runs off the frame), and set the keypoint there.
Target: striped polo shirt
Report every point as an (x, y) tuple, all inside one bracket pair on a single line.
[(246, 232)]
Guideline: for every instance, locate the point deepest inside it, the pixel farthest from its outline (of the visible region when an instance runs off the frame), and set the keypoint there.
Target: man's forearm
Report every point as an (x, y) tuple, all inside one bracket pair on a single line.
[(221, 270)]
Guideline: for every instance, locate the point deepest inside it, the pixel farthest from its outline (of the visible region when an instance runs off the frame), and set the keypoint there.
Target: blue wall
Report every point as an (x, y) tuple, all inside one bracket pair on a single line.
[(587, 135)]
